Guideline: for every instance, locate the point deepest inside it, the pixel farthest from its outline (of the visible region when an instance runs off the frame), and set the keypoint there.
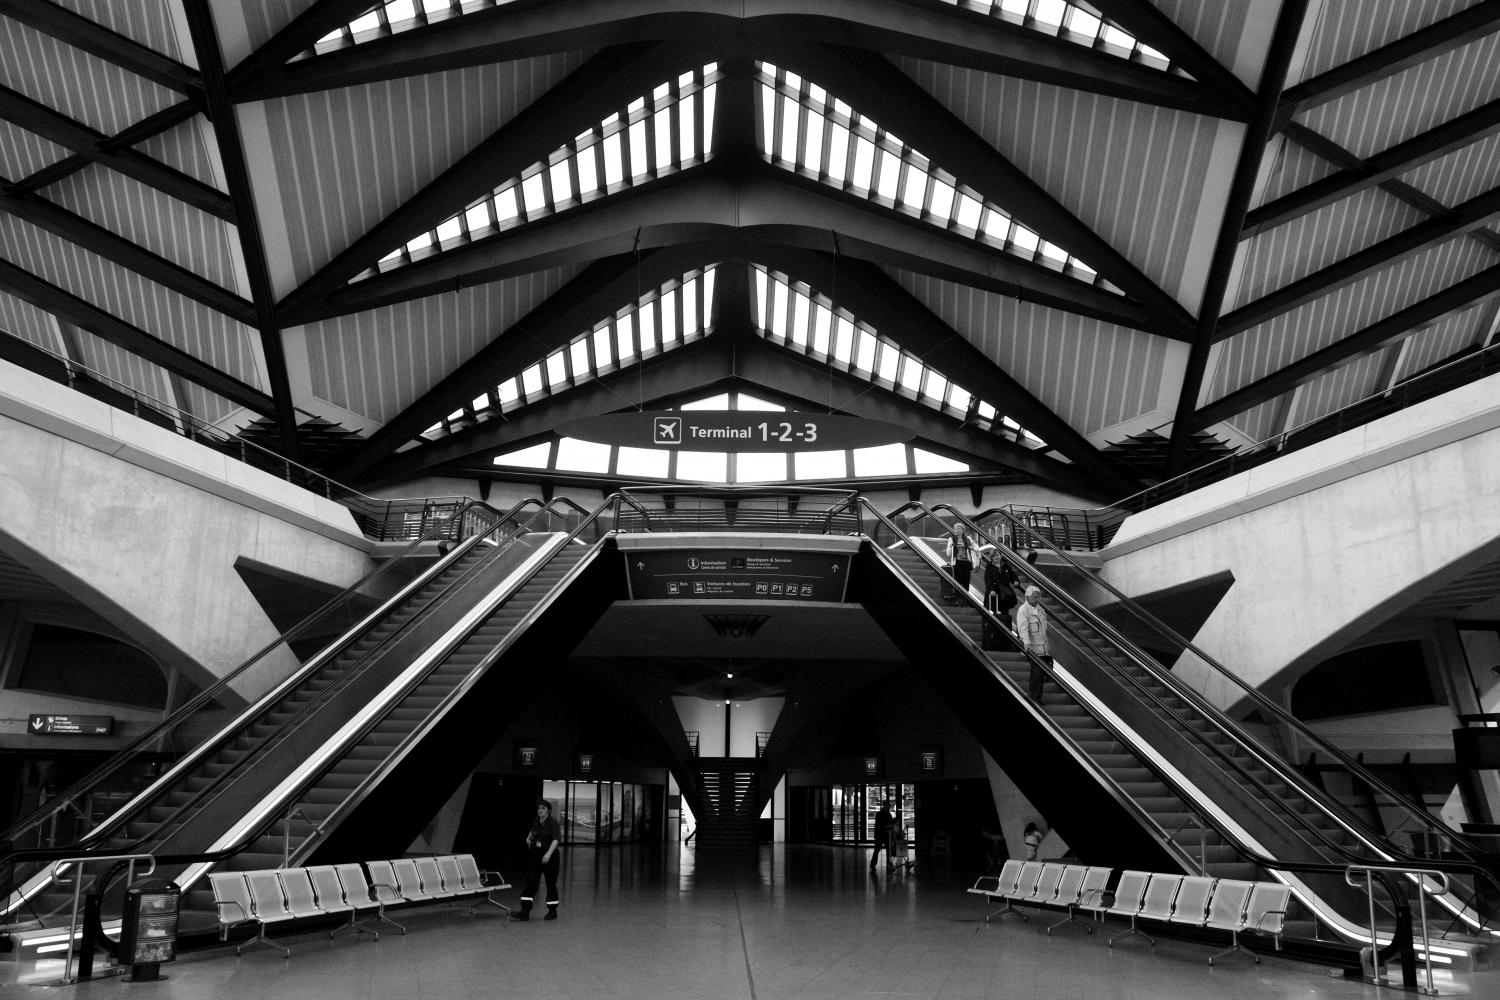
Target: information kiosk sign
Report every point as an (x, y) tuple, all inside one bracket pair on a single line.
[(735, 430), (736, 575)]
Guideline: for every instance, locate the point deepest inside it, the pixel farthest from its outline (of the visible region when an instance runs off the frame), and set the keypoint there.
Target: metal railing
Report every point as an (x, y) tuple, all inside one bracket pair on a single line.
[(790, 510), (1076, 528), (1428, 881)]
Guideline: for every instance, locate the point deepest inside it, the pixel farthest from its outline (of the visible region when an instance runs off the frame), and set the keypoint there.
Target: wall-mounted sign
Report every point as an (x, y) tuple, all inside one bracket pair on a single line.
[(735, 430), (872, 766), (736, 575), (527, 755), (930, 760), (584, 762), (70, 725)]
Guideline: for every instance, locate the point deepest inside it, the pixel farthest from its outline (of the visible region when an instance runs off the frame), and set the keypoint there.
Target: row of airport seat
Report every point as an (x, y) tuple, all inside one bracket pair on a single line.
[(275, 896), (1234, 905)]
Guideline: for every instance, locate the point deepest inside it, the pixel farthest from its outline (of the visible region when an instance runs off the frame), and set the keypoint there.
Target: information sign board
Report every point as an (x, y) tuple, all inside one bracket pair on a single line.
[(736, 575), (735, 430), (70, 725)]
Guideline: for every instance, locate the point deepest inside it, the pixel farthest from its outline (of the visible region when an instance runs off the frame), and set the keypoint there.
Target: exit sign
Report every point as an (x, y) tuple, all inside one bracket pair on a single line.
[(70, 725)]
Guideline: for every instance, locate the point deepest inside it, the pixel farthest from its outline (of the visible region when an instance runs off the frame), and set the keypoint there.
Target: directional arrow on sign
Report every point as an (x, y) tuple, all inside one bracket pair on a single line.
[(38, 722)]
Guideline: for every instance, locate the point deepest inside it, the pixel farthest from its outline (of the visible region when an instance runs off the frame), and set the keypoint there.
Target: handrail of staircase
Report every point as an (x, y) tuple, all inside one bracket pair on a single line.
[(284, 729), (362, 790), (1231, 838), (162, 729), (1268, 705), (844, 498)]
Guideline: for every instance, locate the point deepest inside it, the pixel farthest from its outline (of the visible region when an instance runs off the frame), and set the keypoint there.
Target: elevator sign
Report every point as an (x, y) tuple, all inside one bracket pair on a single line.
[(735, 430), (70, 725), (736, 575)]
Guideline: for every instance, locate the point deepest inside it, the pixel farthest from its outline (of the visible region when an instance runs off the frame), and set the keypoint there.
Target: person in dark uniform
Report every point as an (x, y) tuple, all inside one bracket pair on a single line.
[(543, 841), (884, 821)]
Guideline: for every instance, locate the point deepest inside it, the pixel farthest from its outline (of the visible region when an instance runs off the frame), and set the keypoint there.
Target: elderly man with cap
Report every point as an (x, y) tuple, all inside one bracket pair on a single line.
[(1031, 629)]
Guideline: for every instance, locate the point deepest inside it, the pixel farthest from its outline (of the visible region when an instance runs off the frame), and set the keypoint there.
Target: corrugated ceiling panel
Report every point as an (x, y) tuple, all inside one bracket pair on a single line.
[(209, 407), (1215, 24), (120, 366), (262, 20), (353, 156), (1339, 388), (1132, 173), (194, 328), (1453, 333), (1398, 107), (1306, 244), (24, 320), (1091, 374), (1348, 29), (147, 22), (1461, 175), (84, 88), (1286, 338), (23, 153), (1293, 167), (377, 363), (187, 148), (1259, 423), (145, 216)]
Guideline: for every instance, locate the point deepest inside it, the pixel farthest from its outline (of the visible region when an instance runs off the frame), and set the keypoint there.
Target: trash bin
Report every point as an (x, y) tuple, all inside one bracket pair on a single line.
[(148, 928)]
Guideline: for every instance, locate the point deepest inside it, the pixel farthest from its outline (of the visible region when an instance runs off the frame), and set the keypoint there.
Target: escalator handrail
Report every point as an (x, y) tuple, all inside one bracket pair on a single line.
[(1248, 742), (126, 753), (1188, 797), (1432, 823), (287, 726), (357, 794)]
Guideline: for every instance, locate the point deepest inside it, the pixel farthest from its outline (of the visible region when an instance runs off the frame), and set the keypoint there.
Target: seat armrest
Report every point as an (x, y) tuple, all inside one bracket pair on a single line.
[(1259, 924), (221, 903)]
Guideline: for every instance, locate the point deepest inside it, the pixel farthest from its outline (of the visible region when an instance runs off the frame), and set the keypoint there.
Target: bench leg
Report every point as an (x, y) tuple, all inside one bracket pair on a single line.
[(260, 938), (1133, 930), (489, 899), (1234, 947), (1009, 907), (1072, 918), (381, 918), (357, 926)]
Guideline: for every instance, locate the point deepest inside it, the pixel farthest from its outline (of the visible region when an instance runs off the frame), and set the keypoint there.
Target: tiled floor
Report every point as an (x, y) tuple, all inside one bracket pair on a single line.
[(802, 922)]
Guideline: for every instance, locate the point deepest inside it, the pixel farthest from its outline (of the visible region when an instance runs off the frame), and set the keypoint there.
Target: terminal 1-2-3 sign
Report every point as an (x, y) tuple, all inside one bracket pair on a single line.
[(735, 430)]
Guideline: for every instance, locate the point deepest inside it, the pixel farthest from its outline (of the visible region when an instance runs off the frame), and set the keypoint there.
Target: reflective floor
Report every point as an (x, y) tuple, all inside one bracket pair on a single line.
[(798, 922)]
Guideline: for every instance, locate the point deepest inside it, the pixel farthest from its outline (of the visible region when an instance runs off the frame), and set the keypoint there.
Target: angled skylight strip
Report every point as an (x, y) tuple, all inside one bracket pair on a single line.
[(391, 17), (1075, 22), (796, 317), (806, 130), (677, 465), (670, 129), (664, 319)]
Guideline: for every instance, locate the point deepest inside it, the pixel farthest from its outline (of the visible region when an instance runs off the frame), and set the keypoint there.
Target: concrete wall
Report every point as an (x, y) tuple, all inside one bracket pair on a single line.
[(143, 527), (1327, 542)]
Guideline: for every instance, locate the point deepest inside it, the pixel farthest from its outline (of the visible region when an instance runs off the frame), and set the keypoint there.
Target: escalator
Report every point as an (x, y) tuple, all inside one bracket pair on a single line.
[(284, 778), (1208, 795)]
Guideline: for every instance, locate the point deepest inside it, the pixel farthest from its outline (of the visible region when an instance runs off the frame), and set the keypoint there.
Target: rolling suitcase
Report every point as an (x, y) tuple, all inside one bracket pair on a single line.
[(990, 635)]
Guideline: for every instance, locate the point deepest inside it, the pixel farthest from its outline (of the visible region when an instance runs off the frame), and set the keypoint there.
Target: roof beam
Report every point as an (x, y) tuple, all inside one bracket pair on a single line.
[(872, 296), (46, 296), (1484, 285), (97, 40), (95, 147), (237, 176), (1464, 218), (702, 207), (598, 89), (598, 292), (693, 367), (516, 31), (1284, 38), (1465, 130), (1428, 43), (877, 89), (1148, 23), (97, 240), (300, 35)]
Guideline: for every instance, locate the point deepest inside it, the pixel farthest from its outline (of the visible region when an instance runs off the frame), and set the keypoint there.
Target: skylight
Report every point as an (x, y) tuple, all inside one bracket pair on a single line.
[(808, 131), (1079, 23), (795, 317), (393, 16), (670, 129), (719, 467), (664, 319)]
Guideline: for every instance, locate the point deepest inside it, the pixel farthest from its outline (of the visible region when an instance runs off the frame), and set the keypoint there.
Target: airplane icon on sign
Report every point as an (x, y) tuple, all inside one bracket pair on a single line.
[(668, 430)]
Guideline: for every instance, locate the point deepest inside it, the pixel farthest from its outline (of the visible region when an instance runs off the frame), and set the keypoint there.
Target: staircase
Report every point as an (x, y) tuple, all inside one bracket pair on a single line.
[(725, 809)]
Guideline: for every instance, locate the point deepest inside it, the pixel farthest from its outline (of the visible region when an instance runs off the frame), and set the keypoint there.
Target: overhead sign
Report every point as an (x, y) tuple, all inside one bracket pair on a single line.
[(735, 430), (736, 575), (70, 725)]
